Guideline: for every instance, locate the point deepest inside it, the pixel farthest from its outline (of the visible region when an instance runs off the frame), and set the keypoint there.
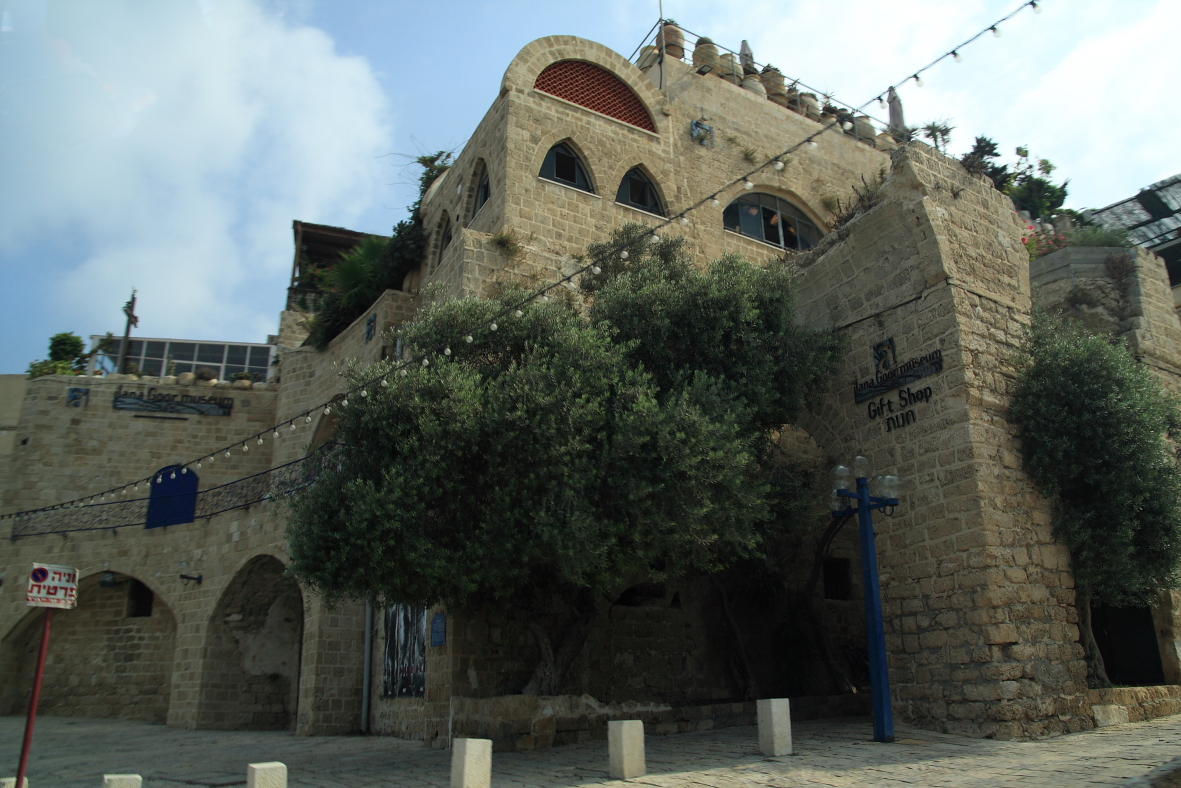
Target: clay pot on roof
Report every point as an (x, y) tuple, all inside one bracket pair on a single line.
[(705, 53), (671, 39)]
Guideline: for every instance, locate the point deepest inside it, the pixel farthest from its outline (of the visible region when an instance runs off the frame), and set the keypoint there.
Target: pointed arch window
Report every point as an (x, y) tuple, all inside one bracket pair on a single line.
[(637, 190), (481, 189), (562, 165), (444, 238), (771, 219)]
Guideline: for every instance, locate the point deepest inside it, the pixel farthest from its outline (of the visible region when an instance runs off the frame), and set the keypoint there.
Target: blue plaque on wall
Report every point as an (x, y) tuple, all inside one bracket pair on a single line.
[(439, 630)]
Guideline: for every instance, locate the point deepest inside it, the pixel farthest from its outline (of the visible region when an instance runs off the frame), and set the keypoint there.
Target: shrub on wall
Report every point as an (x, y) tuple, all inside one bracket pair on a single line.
[(1098, 436)]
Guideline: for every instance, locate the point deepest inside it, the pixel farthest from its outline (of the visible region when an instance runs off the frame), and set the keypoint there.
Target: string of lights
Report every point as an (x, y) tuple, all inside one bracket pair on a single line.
[(515, 309)]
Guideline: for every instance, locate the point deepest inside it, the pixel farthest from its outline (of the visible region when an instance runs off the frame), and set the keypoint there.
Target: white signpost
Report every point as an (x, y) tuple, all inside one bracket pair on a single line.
[(54, 587)]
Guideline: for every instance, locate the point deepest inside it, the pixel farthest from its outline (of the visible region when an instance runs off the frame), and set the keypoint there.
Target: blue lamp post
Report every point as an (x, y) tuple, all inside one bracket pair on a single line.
[(859, 499)]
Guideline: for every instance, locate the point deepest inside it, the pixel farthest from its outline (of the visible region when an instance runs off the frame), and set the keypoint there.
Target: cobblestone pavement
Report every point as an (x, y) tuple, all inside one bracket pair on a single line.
[(69, 752)]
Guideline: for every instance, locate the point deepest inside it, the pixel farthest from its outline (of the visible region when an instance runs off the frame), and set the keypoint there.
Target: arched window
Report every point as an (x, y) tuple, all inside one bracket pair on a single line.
[(173, 497), (481, 189), (637, 190), (444, 236), (562, 165), (771, 219)]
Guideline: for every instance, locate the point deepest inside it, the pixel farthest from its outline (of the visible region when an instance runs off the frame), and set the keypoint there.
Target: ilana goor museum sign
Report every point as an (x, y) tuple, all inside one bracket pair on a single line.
[(897, 409), (167, 402)]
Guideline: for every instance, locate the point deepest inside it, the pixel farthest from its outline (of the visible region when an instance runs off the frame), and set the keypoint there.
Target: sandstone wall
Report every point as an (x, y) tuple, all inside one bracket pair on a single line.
[(979, 601)]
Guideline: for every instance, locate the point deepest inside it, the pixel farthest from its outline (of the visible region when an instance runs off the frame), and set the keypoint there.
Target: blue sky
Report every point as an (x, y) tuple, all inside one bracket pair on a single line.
[(168, 145)]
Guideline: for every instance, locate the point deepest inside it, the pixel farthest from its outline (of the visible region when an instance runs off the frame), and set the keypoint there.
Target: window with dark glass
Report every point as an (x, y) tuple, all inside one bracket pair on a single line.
[(771, 219), (562, 165), (444, 238), (637, 190), (483, 191)]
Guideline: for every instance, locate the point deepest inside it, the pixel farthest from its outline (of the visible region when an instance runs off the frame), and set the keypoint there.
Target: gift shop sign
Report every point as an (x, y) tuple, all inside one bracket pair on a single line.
[(893, 392), (51, 585)]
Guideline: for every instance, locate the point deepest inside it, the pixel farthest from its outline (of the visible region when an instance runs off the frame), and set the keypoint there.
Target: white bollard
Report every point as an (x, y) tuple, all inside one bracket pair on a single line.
[(471, 763), (10, 782), (122, 781), (774, 726), (625, 748), (271, 774)]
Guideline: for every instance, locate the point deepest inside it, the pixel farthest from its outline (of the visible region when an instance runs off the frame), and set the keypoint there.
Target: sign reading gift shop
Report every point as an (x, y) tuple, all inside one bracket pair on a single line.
[(892, 392), (157, 401)]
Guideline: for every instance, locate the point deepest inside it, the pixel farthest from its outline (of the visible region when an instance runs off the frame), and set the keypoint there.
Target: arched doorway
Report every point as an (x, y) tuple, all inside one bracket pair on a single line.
[(112, 656), (251, 669)]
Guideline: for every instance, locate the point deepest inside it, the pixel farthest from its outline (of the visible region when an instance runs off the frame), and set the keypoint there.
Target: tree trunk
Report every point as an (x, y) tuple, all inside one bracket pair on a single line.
[(838, 677), (750, 687), (553, 665), (1096, 669)]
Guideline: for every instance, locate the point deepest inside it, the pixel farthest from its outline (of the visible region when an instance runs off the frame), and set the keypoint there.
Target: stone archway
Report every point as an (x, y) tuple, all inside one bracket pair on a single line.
[(250, 676), (112, 656)]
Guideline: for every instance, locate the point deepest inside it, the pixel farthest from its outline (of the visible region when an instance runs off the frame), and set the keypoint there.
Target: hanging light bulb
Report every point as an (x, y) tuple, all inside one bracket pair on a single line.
[(426, 362), (227, 452), (364, 393), (327, 410), (713, 201), (518, 313), (275, 434), (184, 469), (212, 458), (402, 372), (811, 143), (956, 56), (259, 440), (684, 220), (245, 448), (881, 102), (493, 327), (469, 339), (846, 125), (344, 403), (385, 383), (1037, 9), (746, 184), (291, 424), (159, 480), (596, 270), (996, 31), (447, 351), (198, 465), (623, 255), (172, 475), (917, 80)]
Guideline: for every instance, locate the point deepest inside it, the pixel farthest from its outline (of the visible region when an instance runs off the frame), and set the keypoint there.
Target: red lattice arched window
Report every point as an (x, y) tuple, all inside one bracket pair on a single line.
[(594, 87)]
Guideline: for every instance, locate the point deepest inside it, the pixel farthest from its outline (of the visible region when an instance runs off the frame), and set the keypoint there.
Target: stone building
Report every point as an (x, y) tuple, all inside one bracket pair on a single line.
[(196, 624)]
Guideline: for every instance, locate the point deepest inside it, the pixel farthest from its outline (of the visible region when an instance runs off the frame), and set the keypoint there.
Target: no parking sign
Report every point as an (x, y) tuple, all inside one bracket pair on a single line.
[(51, 585)]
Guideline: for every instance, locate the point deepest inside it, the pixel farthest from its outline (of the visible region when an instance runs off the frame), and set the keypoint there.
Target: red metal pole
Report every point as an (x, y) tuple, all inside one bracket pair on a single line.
[(34, 699)]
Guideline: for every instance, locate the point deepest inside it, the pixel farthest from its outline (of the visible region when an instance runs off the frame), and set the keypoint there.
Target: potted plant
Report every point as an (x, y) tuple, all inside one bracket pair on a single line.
[(671, 39), (705, 53)]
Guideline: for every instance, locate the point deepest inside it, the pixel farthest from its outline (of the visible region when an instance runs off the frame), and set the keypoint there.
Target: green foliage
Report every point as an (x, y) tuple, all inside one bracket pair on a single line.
[(939, 133), (375, 265), (66, 346), (1096, 235), (567, 451), (39, 369), (1095, 429), (980, 160), (67, 356)]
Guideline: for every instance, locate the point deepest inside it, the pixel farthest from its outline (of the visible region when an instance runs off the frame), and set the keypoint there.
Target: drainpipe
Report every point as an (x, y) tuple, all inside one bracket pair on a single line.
[(367, 678)]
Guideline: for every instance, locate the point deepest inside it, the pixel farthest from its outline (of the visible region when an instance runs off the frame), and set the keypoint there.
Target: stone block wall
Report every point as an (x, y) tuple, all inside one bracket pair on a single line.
[(979, 601), (106, 659), (64, 452)]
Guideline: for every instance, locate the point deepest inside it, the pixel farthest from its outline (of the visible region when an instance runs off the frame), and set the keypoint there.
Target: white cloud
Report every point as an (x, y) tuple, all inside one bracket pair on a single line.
[(175, 142)]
